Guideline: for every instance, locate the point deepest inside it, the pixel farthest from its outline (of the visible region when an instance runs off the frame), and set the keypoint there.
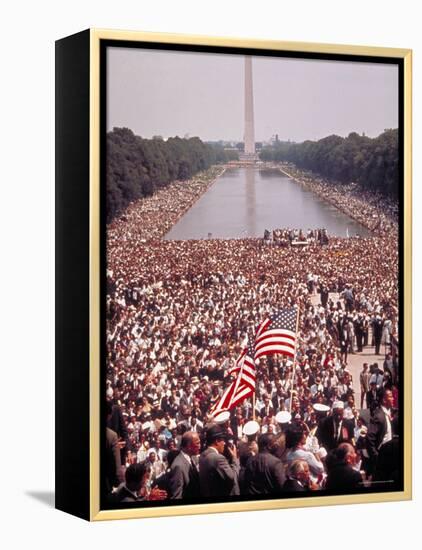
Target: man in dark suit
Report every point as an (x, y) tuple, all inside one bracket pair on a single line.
[(184, 477), (267, 409), (264, 472), (380, 429), (112, 468), (218, 475), (324, 295), (112, 464), (359, 331), (341, 474), (117, 423), (387, 469), (373, 396), (134, 488), (278, 400), (334, 429), (377, 325)]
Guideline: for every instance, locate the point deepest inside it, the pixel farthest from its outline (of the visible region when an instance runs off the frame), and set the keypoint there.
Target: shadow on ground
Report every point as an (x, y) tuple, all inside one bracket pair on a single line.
[(45, 497)]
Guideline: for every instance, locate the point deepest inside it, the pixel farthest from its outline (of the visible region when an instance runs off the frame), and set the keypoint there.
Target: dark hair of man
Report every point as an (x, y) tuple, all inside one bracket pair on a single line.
[(383, 392), (335, 457), (134, 475), (293, 437), (265, 442), (343, 450), (330, 460), (182, 428), (171, 455), (212, 439)]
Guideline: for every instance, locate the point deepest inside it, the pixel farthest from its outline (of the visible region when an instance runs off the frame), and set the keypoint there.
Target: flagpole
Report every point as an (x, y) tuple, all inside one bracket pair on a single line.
[(237, 382), (253, 404), (294, 360), (254, 393)]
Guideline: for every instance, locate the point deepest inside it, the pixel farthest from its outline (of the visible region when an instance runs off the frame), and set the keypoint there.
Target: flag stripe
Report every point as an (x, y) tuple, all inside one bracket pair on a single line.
[(288, 334), (270, 350), (246, 369), (242, 386), (248, 380), (274, 342), (277, 334), (219, 405), (262, 327), (246, 392)]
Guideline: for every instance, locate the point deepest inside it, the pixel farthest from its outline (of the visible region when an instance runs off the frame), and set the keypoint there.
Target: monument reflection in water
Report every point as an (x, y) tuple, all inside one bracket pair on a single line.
[(244, 202)]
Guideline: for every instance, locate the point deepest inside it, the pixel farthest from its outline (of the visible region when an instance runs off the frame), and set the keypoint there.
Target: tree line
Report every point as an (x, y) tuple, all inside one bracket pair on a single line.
[(137, 167), (371, 162)]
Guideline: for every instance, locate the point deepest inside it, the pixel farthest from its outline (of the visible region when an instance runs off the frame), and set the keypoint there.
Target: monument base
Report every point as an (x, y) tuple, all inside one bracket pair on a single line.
[(248, 157)]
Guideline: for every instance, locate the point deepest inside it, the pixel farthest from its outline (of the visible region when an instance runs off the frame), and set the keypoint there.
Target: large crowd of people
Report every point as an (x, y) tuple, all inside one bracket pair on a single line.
[(374, 211), (152, 217), (178, 314)]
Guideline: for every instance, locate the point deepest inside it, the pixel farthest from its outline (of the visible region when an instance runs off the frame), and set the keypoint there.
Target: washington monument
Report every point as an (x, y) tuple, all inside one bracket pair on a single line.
[(249, 114)]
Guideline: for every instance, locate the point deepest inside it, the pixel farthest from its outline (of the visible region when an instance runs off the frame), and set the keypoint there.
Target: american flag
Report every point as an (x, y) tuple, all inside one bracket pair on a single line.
[(277, 334), (244, 384)]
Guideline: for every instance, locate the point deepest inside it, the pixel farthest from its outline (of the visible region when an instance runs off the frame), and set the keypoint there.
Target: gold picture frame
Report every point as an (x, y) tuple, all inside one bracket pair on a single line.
[(90, 47)]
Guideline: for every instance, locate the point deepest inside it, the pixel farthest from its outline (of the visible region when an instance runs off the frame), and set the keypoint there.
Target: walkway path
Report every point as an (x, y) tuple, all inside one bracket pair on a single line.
[(356, 360)]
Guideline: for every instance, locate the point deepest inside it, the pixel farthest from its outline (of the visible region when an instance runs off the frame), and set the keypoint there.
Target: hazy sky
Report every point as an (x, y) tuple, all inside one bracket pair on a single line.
[(173, 93)]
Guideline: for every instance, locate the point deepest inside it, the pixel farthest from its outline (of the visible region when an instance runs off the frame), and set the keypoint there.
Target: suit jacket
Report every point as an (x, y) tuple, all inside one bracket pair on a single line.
[(264, 474), (117, 423), (377, 325), (293, 486), (371, 400), (376, 431), (388, 463), (124, 495), (112, 460), (276, 402), (183, 479), (342, 477), (266, 411), (326, 436), (216, 476)]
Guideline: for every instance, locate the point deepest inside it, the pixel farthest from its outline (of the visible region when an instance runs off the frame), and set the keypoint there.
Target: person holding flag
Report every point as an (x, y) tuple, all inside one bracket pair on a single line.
[(276, 334), (243, 385)]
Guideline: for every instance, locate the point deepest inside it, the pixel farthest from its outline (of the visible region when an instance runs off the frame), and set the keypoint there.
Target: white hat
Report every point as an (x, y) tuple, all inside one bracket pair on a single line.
[(320, 407), (222, 417), (251, 427), (283, 417), (338, 405)]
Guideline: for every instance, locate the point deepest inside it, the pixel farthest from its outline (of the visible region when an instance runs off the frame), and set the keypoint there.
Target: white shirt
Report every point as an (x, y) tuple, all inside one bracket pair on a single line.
[(377, 378), (389, 433)]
